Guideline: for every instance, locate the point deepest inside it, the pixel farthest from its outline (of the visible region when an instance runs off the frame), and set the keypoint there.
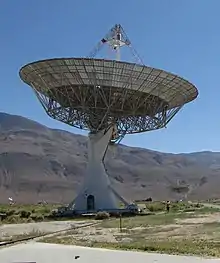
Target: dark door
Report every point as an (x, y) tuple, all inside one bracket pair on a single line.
[(90, 202)]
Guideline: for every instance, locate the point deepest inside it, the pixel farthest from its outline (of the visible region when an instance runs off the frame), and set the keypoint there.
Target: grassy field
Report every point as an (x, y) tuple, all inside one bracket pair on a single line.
[(187, 229)]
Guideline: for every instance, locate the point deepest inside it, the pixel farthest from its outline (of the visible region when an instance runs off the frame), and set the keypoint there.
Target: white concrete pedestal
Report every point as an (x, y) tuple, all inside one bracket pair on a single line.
[(96, 192)]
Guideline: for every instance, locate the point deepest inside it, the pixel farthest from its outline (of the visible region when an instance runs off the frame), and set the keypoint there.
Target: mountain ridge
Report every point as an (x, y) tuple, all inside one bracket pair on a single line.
[(37, 162)]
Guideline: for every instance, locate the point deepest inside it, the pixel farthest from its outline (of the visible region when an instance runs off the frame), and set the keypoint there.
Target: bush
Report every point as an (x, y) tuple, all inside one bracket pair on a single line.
[(3, 216), (102, 215), (25, 214), (39, 218), (179, 206), (155, 207), (10, 212), (198, 205), (115, 214), (44, 210), (29, 220), (12, 219)]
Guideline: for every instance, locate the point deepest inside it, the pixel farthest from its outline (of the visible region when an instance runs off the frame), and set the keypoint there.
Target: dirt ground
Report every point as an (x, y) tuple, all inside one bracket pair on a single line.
[(10, 230), (200, 226), (207, 218), (205, 226)]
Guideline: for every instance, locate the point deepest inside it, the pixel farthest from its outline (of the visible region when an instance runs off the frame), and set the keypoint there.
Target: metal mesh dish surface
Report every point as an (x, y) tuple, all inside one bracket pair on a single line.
[(94, 93)]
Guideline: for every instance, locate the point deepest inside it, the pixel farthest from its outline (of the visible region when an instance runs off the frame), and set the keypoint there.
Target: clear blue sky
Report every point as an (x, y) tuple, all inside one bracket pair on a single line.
[(179, 36)]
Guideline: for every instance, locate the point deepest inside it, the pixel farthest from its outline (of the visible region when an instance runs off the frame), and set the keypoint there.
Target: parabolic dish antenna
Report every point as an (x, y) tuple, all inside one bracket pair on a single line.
[(109, 98)]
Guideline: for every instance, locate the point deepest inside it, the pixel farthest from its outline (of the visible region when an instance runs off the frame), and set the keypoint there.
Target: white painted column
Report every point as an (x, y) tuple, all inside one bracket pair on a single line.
[(97, 182)]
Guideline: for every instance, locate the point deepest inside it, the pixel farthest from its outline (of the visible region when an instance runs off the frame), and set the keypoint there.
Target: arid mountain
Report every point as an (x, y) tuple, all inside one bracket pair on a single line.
[(38, 163)]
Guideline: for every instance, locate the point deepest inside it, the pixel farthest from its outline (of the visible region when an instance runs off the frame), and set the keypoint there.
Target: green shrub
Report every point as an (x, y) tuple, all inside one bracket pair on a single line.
[(10, 212), (179, 206), (198, 205), (39, 218), (14, 219), (155, 207), (102, 215), (3, 217), (29, 220), (25, 214), (43, 210)]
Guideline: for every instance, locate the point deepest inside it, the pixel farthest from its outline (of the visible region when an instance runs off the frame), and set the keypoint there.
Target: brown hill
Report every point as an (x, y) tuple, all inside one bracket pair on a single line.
[(40, 163)]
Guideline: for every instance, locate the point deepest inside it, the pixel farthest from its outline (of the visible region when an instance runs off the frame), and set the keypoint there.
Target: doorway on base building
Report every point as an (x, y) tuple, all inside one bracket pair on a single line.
[(90, 202)]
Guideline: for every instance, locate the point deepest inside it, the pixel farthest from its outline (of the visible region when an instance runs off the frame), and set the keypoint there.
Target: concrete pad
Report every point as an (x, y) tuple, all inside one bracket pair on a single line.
[(53, 253)]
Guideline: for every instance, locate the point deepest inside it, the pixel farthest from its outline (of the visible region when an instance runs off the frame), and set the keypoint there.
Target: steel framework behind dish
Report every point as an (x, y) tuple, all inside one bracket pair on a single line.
[(109, 98)]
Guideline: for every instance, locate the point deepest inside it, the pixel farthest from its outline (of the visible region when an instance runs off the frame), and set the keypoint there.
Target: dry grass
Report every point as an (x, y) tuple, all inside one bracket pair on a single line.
[(196, 232), (17, 214), (25, 213)]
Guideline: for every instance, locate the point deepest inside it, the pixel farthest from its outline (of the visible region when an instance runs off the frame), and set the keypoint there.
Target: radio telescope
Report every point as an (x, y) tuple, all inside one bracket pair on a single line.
[(110, 99)]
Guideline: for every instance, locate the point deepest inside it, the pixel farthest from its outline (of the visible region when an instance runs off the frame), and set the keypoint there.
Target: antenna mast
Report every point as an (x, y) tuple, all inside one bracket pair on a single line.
[(116, 38)]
